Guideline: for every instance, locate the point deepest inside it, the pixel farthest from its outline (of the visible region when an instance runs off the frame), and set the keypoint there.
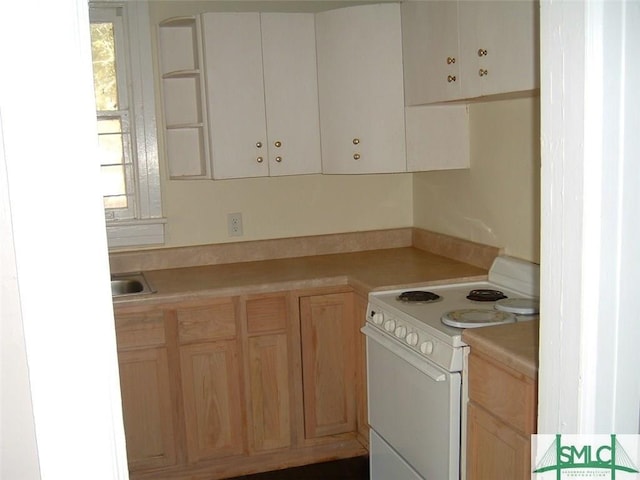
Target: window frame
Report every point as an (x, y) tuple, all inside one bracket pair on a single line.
[(147, 225)]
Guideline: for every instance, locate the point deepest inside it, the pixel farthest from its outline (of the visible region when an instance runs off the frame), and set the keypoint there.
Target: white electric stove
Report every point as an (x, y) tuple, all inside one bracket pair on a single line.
[(415, 357)]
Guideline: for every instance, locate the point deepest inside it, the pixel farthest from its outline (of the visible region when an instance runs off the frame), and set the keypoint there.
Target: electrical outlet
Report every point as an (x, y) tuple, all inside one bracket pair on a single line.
[(234, 224)]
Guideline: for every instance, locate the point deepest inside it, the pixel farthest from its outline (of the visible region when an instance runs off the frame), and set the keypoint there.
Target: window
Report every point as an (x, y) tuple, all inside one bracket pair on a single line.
[(123, 82)]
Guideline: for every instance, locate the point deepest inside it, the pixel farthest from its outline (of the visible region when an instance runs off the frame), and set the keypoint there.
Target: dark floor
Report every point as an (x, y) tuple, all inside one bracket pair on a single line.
[(350, 469)]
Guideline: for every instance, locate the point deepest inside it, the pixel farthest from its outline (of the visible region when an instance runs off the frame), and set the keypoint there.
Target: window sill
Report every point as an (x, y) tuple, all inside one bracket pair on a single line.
[(131, 233)]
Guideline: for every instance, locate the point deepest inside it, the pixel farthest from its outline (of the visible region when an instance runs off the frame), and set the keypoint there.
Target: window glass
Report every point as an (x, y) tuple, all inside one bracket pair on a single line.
[(112, 161), (114, 142), (103, 49)]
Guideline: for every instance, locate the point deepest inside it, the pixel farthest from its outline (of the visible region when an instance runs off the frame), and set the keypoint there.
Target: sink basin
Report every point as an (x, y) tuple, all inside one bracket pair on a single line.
[(129, 284)]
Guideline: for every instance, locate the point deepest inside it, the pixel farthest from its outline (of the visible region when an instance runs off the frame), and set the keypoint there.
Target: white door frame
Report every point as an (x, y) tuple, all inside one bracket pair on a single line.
[(589, 343), (56, 297)]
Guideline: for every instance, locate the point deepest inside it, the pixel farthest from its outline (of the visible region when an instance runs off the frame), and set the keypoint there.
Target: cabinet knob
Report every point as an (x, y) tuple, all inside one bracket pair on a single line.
[(451, 60), (259, 144), (482, 52), (356, 156), (278, 144), (483, 72), (451, 78), (278, 159), (259, 159), (356, 141)]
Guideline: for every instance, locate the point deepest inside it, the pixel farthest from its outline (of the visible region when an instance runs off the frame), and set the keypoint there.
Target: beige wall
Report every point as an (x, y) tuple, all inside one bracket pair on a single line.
[(496, 202), (285, 207)]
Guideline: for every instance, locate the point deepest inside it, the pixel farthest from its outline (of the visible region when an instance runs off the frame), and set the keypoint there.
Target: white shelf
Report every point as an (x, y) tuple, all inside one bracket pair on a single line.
[(187, 148), (185, 122), (182, 100), (178, 44), (181, 74), (185, 125)]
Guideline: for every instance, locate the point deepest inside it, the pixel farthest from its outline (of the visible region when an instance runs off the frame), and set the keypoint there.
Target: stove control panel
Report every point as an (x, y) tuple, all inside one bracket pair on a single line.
[(414, 337)]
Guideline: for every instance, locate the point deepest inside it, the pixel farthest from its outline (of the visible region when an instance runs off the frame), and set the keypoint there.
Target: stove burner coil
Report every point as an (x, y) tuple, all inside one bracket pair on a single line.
[(486, 295), (418, 296)]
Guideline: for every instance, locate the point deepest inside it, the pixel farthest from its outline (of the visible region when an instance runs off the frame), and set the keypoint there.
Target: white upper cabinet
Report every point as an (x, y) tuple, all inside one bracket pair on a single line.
[(235, 94), (291, 93), (468, 49), (261, 94), (360, 82), (498, 47), (430, 48)]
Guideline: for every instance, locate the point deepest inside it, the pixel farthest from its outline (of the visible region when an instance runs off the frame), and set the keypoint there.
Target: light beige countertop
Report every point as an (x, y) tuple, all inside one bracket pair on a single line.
[(363, 271), (513, 344)]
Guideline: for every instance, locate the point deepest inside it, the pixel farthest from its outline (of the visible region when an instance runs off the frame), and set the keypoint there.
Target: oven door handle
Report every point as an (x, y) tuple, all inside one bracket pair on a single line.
[(405, 354)]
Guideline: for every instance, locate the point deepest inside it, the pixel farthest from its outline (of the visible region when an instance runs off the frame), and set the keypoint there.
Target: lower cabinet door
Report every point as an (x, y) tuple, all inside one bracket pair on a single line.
[(328, 364), (495, 450), (212, 400), (147, 409), (269, 392)]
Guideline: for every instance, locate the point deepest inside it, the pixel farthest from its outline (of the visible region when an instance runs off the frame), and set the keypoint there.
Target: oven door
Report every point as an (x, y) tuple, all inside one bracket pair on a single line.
[(414, 406), (386, 464)]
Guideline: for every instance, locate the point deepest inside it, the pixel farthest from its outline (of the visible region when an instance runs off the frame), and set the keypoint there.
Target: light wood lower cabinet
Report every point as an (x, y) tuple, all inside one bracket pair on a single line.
[(148, 408), (211, 392), (499, 451), (269, 372), (269, 387), (210, 379), (328, 364), (223, 387), (501, 419)]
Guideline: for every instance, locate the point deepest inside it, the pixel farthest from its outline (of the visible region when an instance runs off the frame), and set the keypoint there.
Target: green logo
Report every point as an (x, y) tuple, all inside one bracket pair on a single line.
[(586, 459)]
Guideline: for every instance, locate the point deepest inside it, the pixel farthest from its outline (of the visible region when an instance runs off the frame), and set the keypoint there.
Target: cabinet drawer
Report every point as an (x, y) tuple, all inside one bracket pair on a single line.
[(210, 322), (506, 393), (266, 314), (140, 330)]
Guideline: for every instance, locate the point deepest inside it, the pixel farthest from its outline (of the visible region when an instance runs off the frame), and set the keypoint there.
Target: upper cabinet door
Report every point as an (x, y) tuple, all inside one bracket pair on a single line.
[(232, 50), (262, 94), (430, 49), (498, 47), (291, 93), (360, 83), (468, 49)]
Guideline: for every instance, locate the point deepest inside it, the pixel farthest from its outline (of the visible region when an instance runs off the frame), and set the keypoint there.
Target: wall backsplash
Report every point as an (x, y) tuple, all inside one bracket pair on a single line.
[(284, 207)]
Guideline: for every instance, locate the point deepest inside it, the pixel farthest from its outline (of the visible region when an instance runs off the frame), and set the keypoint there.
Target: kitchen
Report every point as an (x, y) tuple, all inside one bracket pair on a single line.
[(478, 231)]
